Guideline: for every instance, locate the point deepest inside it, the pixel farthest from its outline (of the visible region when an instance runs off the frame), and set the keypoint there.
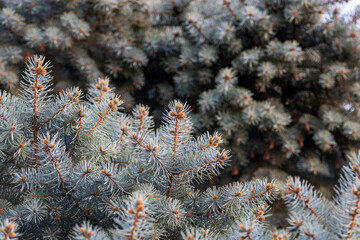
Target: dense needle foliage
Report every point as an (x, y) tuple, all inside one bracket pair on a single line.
[(65, 160), (277, 79)]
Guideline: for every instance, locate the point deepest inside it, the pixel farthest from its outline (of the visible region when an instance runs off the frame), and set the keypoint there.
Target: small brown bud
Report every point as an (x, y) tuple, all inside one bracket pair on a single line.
[(179, 106), (140, 208), (12, 234), (9, 227)]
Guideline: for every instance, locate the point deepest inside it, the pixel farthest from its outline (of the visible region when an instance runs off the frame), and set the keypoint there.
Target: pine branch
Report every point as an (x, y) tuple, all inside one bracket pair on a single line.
[(150, 150), (269, 188), (353, 218), (109, 175), (139, 208), (38, 71), (73, 98), (296, 191), (47, 148), (227, 4), (194, 24), (122, 32), (288, 230), (77, 137), (112, 107)]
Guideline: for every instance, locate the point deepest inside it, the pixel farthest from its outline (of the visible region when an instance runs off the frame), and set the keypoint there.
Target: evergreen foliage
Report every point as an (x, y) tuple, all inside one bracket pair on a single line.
[(277, 79), (85, 39), (81, 169)]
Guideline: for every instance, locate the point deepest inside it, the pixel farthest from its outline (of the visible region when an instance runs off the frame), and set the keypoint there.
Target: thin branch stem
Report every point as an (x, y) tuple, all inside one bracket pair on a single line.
[(72, 99), (35, 113)]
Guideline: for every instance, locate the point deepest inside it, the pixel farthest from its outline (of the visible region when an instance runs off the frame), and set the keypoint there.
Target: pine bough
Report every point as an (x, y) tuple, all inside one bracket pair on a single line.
[(94, 37), (79, 168), (279, 78)]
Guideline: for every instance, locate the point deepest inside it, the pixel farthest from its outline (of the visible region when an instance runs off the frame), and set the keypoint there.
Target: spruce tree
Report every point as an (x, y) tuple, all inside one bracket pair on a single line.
[(75, 168), (85, 39), (278, 79), (274, 82)]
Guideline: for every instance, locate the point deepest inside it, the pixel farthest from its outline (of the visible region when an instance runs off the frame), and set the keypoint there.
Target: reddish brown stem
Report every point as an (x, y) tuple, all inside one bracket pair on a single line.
[(175, 138), (53, 160), (35, 129), (259, 194), (200, 31), (227, 4), (199, 166), (131, 237), (152, 152), (308, 206), (122, 32), (168, 194), (77, 136), (353, 218), (102, 117), (57, 112)]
